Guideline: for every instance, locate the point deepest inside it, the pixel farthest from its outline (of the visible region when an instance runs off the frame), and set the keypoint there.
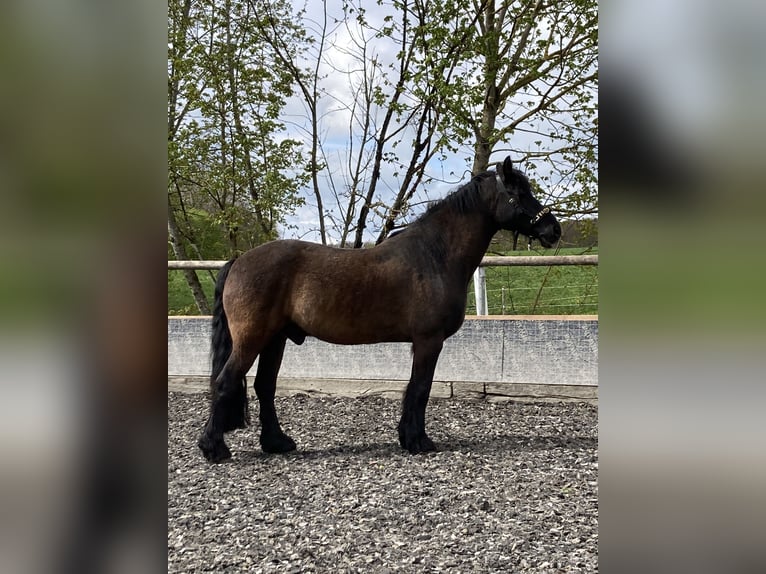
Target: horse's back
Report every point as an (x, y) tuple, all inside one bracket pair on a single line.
[(339, 295), (263, 276)]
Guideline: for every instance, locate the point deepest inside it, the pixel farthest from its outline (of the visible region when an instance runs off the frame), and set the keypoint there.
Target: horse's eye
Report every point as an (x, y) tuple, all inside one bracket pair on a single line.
[(512, 200)]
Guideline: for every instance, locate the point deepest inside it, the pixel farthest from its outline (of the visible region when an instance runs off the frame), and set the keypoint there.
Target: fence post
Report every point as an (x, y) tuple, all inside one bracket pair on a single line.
[(480, 290)]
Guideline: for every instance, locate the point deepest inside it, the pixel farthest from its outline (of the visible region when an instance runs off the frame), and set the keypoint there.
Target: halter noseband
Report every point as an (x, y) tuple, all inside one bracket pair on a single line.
[(538, 216), (542, 213)]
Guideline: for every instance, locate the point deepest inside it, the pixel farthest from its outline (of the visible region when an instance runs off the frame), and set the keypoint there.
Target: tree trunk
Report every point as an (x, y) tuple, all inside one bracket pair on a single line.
[(180, 253), (484, 143), (485, 130), (495, 80)]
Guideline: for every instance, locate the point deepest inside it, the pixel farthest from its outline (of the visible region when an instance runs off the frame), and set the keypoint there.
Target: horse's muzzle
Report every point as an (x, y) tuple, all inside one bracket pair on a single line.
[(545, 243), (551, 236)]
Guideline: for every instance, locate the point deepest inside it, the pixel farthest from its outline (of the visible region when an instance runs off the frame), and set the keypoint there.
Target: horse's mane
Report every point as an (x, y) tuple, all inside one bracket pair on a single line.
[(465, 199)]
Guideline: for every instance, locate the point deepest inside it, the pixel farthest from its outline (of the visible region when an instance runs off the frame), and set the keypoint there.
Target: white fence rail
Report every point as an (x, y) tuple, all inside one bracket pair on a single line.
[(488, 261), (203, 265), (480, 285)]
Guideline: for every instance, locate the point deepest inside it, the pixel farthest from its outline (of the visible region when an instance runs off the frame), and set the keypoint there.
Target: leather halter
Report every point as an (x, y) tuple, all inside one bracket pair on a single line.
[(537, 217), (540, 214)]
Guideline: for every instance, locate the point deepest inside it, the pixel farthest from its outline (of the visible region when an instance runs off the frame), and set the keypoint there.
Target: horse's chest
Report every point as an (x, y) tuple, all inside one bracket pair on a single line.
[(442, 307), (454, 320)]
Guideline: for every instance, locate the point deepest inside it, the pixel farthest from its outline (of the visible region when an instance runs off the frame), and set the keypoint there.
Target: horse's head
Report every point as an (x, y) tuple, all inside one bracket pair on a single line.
[(517, 209)]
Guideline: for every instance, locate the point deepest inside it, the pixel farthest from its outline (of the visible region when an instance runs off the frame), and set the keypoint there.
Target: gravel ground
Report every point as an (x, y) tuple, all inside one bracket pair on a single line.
[(513, 488)]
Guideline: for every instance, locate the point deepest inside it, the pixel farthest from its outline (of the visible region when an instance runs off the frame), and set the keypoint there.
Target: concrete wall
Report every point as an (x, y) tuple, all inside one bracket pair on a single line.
[(511, 356)]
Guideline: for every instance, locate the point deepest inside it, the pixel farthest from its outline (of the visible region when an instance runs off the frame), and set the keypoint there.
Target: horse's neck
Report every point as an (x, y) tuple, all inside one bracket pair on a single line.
[(466, 237)]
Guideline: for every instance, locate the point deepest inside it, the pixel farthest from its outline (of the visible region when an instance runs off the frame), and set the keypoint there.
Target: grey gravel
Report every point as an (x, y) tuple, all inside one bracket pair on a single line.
[(513, 488)]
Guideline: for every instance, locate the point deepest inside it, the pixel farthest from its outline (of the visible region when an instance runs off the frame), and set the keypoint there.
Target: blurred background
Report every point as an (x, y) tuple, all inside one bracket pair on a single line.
[(83, 173), (82, 360), (682, 275)]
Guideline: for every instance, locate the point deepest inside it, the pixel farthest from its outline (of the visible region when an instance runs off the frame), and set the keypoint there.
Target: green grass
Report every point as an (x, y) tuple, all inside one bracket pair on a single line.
[(559, 290), (555, 290), (180, 299)]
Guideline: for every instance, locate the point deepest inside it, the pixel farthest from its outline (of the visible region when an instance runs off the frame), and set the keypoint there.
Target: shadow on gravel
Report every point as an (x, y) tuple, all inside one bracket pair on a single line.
[(333, 452), (519, 443), (499, 444)]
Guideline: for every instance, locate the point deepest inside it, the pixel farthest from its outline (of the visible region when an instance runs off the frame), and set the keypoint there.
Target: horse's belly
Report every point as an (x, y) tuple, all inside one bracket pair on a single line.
[(351, 315), (342, 331)]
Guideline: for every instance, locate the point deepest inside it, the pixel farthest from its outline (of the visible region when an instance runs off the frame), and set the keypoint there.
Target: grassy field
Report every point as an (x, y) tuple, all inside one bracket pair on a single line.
[(562, 290), (556, 290), (180, 300)]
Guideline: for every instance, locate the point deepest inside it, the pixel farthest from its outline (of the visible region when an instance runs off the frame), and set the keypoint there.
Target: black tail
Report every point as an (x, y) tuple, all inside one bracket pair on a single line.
[(235, 407)]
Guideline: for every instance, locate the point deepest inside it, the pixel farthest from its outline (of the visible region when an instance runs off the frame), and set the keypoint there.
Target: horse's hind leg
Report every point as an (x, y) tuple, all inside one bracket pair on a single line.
[(229, 401), (412, 426), (273, 439)]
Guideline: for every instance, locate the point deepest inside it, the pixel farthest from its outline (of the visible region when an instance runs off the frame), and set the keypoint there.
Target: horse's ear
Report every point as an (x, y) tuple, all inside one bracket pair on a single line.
[(508, 168), (505, 170)]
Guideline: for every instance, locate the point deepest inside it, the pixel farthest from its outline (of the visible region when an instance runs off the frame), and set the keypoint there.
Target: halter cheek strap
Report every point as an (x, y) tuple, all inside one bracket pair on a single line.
[(538, 216), (500, 184)]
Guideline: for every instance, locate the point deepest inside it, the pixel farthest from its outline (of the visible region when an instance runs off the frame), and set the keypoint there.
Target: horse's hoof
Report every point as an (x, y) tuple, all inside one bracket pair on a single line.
[(277, 443), (417, 444), (214, 451)]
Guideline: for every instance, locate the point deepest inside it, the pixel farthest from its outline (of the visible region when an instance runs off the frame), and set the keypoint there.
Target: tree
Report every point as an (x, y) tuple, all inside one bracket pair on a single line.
[(388, 103), (469, 76), (291, 45), (227, 151), (539, 74), (179, 24), (424, 80)]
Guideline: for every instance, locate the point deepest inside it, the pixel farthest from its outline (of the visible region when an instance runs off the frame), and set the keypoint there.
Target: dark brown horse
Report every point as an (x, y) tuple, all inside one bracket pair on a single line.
[(411, 288)]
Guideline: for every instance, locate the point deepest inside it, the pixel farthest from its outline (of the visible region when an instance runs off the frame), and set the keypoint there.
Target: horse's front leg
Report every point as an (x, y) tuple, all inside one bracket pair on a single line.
[(273, 439), (412, 426)]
